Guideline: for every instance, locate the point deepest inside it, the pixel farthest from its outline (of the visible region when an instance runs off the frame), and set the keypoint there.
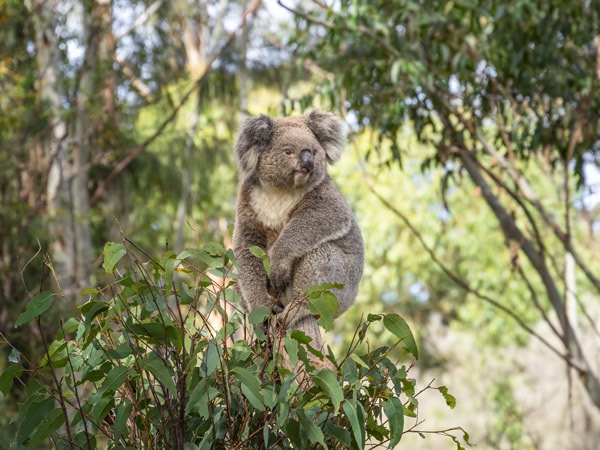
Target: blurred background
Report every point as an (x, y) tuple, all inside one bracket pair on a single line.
[(472, 165)]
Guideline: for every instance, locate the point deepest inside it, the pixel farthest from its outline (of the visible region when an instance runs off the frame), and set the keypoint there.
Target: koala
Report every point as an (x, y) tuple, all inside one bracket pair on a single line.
[(290, 207)]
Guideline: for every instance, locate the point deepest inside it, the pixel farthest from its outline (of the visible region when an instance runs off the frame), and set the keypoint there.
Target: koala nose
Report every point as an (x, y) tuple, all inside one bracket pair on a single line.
[(306, 160)]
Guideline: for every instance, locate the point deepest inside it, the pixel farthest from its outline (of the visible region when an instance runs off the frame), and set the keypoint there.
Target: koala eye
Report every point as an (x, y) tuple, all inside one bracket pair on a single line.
[(288, 152)]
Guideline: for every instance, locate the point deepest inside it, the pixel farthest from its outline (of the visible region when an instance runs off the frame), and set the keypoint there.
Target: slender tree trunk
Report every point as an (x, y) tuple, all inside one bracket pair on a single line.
[(68, 157), (94, 90), (195, 35), (50, 93)]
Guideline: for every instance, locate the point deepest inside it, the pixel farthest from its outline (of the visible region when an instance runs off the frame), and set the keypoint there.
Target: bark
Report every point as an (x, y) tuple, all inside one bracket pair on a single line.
[(195, 37), (50, 91), (94, 90), (69, 146)]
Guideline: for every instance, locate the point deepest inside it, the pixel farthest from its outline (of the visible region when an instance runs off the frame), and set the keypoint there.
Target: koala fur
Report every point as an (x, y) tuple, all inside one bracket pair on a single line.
[(289, 206)]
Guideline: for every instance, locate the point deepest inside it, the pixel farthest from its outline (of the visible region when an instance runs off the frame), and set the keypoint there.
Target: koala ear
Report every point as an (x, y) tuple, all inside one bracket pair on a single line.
[(254, 135), (329, 131)]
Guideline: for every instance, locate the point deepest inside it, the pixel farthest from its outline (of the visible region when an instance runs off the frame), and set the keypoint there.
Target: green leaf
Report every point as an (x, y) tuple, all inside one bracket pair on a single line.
[(38, 305), (358, 360), (71, 325), (449, 398), (260, 253), (291, 347), (157, 367), (157, 331), (122, 414), (325, 307), (14, 356), (341, 434), (323, 287), (399, 328), (114, 379), (113, 253), (6, 379), (328, 382), (250, 387), (209, 260), (394, 411), (292, 432), (395, 71), (92, 309), (355, 415), (32, 413), (170, 265), (259, 314), (51, 422), (214, 248), (198, 400), (310, 430), (210, 361)]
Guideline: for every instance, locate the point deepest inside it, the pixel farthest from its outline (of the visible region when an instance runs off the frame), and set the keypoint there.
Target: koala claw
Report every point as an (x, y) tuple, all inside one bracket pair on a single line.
[(277, 307), (280, 279)]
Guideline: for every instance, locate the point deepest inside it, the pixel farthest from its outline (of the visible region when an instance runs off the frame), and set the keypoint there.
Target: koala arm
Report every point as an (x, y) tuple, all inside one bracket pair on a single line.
[(322, 216), (253, 281)]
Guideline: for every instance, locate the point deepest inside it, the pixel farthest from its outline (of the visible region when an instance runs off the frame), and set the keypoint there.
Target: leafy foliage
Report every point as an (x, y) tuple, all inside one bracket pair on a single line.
[(159, 355)]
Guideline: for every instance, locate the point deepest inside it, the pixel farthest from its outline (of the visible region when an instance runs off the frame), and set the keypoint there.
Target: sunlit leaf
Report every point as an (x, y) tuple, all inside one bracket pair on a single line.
[(399, 328), (325, 307), (449, 398), (328, 381), (113, 253)]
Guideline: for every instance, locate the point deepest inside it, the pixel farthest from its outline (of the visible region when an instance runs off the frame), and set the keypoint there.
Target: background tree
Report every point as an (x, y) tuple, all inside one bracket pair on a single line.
[(505, 99)]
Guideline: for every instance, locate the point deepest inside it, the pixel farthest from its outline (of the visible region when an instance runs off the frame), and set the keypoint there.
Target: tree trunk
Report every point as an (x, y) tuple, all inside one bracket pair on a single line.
[(94, 90), (67, 187), (50, 91)]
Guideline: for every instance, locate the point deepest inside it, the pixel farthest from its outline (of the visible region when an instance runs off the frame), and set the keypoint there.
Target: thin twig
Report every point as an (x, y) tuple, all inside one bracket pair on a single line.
[(463, 284)]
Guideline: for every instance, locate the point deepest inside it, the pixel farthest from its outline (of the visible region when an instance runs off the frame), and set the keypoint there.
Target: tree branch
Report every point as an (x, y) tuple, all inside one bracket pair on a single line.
[(127, 160), (576, 357), (461, 282)]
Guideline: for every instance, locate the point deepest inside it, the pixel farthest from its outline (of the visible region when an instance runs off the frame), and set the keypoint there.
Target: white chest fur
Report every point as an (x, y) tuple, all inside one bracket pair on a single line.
[(273, 206)]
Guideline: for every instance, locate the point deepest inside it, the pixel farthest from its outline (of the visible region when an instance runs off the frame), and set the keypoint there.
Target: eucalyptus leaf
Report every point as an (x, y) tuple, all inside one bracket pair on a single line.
[(327, 380), (113, 253), (36, 306), (395, 413)]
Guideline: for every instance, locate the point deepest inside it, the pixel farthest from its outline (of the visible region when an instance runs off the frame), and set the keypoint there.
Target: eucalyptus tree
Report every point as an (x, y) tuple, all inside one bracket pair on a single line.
[(504, 95)]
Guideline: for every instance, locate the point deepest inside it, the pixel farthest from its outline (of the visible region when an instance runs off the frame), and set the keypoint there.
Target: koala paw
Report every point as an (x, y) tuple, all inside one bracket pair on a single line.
[(281, 276)]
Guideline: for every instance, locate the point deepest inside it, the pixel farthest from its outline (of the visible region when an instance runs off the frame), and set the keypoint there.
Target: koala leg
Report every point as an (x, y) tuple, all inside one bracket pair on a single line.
[(325, 264)]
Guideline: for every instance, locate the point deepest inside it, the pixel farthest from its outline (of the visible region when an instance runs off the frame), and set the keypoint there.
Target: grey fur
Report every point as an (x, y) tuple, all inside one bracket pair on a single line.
[(289, 206)]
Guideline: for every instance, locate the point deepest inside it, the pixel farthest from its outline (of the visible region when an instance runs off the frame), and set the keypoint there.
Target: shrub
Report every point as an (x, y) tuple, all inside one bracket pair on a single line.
[(159, 358)]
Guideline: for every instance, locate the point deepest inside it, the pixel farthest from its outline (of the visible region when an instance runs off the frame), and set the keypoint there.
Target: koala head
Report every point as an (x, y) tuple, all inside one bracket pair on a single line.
[(290, 152)]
